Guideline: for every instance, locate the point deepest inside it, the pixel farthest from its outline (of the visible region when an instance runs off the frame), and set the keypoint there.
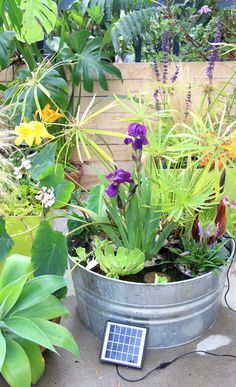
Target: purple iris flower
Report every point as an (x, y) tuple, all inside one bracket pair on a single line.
[(138, 132), (119, 176)]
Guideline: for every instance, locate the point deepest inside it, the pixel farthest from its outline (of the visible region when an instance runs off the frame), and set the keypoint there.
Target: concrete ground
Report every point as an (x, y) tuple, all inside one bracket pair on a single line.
[(195, 370)]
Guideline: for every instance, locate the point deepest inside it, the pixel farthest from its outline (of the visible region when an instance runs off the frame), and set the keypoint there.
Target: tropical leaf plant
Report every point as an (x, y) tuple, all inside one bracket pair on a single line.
[(49, 257), (113, 8), (26, 306), (37, 16), (131, 27), (32, 91), (6, 242), (7, 48)]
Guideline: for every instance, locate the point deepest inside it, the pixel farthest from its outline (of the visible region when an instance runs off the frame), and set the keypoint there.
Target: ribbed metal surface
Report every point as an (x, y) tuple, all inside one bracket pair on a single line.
[(175, 313)]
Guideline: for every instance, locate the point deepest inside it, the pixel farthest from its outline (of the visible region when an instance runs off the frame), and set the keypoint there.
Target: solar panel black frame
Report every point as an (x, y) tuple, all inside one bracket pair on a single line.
[(142, 345)]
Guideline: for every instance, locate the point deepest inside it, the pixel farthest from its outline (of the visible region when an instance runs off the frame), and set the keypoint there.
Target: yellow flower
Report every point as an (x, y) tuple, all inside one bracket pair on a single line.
[(33, 132), (49, 115), (232, 149)]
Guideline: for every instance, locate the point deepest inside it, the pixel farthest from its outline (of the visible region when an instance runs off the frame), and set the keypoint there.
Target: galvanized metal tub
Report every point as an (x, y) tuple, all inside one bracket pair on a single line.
[(175, 313)]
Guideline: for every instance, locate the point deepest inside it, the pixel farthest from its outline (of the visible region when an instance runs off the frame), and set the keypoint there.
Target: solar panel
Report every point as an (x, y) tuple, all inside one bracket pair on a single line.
[(124, 344)]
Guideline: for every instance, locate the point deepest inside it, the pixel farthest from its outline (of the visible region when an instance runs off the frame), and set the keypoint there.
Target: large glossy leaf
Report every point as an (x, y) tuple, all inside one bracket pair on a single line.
[(2, 351), (58, 335), (89, 60), (38, 16), (14, 267), (49, 257), (16, 369), (38, 289), (6, 242), (42, 160), (11, 292), (26, 329), (95, 200), (48, 309), (54, 177), (50, 86), (7, 48), (36, 359)]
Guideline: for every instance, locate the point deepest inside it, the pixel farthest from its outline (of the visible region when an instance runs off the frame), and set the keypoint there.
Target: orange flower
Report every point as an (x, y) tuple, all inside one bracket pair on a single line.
[(205, 160), (49, 115)]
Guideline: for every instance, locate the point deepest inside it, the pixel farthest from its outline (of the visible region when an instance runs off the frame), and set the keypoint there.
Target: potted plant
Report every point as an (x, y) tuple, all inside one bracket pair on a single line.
[(42, 187), (166, 221), (27, 306)]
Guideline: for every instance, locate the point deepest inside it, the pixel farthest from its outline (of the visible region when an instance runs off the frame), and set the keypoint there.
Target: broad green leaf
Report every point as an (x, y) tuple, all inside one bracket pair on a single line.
[(6, 242), (16, 369), (49, 257), (38, 289), (36, 359), (47, 309), (14, 267), (12, 292), (2, 351), (7, 48), (89, 59), (95, 199), (38, 15), (28, 330), (42, 160), (54, 177), (47, 88), (58, 335)]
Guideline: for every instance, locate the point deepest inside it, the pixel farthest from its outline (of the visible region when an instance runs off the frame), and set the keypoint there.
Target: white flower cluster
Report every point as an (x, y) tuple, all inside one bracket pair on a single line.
[(46, 197), (22, 169)]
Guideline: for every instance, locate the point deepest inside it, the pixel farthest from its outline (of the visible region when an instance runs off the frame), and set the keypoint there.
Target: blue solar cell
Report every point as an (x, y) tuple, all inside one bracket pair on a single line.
[(124, 344), (111, 336), (128, 331), (117, 329), (127, 339), (132, 341)]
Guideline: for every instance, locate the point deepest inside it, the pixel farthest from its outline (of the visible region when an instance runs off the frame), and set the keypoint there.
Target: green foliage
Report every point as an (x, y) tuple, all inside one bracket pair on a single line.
[(117, 262), (88, 59), (22, 203), (123, 263), (7, 48), (131, 26), (24, 325), (42, 160), (53, 177), (6, 242), (37, 16), (197, 257), (191, 30), (49, 251), (32, 91)]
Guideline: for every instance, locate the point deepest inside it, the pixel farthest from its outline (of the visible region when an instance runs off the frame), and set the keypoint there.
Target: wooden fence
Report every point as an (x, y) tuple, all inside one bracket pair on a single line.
[(140, 78)]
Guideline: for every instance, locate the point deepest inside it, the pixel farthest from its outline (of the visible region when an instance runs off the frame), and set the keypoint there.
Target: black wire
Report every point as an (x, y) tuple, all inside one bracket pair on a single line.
[(166, 364), (228, 288)]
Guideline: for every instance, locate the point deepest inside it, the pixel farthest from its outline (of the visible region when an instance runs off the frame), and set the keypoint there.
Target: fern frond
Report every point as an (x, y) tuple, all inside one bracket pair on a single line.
[(131, 26)]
